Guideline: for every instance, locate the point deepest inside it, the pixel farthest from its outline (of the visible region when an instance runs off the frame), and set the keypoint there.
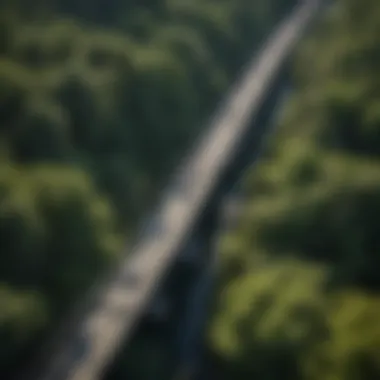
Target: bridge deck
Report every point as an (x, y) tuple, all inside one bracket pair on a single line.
[(108, 322)]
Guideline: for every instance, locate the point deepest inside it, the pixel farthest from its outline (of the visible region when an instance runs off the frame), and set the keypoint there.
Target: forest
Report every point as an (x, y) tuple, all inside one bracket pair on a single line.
[(98, 101), (298, 288)]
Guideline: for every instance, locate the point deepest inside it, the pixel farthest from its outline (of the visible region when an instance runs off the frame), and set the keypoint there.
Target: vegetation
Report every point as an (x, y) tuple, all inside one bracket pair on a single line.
[(98, 99), (299, 287)]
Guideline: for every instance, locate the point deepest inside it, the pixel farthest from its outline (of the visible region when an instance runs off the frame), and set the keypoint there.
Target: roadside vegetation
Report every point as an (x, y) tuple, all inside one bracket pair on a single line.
[(98, 100), (299, 288)]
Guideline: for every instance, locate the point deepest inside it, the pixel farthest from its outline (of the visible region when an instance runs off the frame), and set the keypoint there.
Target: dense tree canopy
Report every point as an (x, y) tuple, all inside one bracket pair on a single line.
[(98, 100), (299, 286)]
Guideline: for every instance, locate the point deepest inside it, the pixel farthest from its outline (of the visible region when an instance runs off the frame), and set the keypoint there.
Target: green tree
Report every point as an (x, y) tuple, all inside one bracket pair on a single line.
[(310, 223), (98, 101), (57, 235)]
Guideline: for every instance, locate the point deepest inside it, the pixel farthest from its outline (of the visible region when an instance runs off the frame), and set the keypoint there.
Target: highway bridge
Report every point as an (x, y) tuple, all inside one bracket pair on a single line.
[(187, 209)]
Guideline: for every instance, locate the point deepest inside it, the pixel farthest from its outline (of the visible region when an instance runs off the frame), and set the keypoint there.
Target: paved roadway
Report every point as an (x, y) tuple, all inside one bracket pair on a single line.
[(92, 344)]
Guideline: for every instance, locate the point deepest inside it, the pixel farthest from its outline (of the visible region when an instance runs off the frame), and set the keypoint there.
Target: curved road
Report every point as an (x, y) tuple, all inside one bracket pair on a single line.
[(108, 322)]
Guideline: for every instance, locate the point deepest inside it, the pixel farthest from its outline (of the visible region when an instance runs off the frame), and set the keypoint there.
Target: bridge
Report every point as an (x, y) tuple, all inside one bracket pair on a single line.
[(185, 217)]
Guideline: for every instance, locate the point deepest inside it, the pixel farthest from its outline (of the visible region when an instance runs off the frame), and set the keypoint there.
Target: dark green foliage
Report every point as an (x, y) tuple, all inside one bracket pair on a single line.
[(299, 287), (98, 101), (57, 234)]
